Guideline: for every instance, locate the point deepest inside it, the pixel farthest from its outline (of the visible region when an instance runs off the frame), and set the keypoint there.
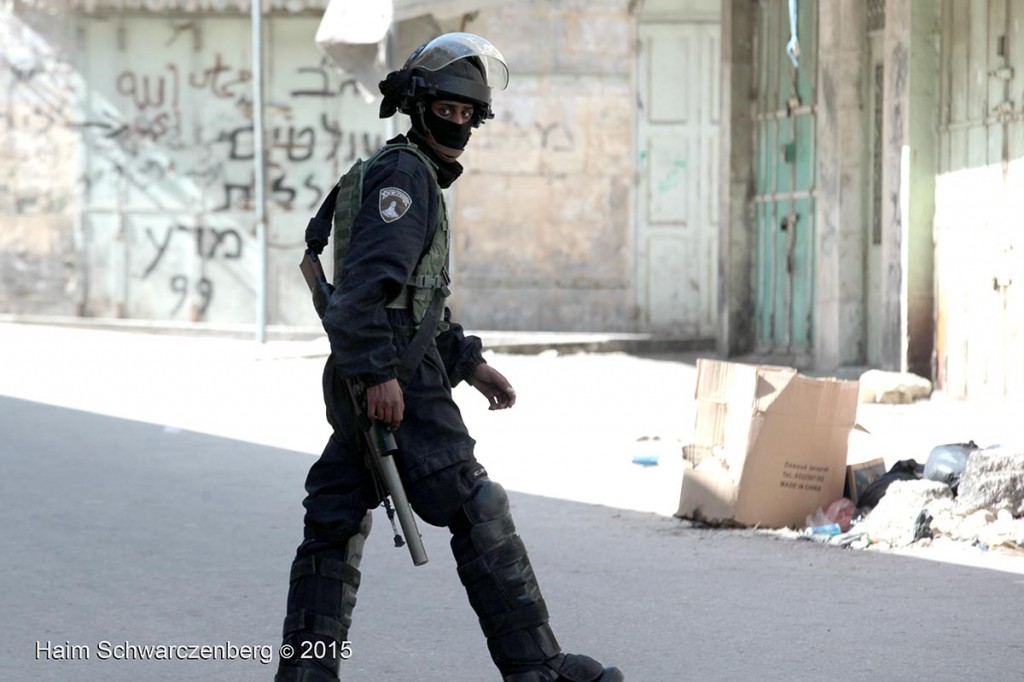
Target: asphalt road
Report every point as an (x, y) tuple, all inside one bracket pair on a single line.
[(119, 532)]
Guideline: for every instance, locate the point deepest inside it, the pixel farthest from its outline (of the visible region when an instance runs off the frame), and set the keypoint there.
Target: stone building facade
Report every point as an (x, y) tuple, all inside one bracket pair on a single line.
[(145, 110), (659, 166)]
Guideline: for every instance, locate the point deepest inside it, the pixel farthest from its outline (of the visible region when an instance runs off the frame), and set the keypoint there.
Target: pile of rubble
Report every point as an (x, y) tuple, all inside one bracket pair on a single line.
[(980, 503)]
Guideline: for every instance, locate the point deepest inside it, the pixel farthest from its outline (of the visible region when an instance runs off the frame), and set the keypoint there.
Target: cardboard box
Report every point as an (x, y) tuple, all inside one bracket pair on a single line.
[(769, 445), (860, 475)]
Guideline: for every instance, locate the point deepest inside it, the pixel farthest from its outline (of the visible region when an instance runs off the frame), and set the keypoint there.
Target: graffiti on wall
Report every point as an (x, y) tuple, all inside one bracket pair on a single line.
[(168, 113), (209, 244), (171, 132)]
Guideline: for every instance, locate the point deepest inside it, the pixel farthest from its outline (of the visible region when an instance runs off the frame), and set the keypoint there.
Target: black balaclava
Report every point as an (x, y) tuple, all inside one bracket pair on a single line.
[(448, 171), (445, 133)]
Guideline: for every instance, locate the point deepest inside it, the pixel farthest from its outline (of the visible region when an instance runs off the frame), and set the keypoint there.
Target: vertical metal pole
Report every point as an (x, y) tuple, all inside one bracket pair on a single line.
[(259, 163), (390, 57)]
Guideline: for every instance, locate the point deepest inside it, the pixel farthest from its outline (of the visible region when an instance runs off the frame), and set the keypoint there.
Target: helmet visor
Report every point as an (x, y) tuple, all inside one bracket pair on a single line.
[(443, 50)]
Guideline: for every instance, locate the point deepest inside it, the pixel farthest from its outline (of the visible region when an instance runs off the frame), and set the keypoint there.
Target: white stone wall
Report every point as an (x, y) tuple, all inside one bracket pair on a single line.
[(543, 213), (127, 186), (125, 206), (37, 169), (168, 161)]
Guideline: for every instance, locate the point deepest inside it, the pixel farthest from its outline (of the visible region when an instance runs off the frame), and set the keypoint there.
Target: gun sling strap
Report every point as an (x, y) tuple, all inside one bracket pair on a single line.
[(317, 233)]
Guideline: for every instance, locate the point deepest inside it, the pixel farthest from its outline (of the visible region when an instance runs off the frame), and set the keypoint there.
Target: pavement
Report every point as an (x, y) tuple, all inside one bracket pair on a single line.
[(123, 534), (151, 487)]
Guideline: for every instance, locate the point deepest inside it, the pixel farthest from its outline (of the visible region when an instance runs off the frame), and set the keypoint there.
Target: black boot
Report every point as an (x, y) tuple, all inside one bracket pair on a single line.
[(321, 597), (568, 668), (502, 588)]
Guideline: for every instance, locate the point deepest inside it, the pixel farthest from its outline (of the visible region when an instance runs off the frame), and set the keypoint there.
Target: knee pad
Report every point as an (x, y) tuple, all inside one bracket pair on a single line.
[(484, 525), (487, 501), (488, 516)]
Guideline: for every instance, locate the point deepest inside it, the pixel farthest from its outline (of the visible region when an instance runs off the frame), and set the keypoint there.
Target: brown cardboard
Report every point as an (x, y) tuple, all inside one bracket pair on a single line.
[(779, 440), (862, 474)]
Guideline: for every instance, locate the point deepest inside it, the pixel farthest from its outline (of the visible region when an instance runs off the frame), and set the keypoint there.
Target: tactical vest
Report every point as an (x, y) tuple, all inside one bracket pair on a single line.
[(431, 273)]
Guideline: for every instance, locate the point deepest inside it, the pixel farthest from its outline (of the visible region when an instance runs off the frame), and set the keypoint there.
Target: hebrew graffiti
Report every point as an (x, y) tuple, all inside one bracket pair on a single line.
[(210, 243), (194, 126), (150, 116), (171, 131), (327, 87), (207, 245)]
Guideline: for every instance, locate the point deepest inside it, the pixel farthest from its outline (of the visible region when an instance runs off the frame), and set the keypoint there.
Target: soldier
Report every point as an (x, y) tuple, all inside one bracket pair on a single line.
[(391, 254)]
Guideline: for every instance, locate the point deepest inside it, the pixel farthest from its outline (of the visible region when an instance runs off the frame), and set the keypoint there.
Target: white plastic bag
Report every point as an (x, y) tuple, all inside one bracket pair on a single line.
[(351, 34), (360, 22)]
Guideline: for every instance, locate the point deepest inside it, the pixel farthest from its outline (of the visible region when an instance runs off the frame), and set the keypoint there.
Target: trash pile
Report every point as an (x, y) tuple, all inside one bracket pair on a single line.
[(769, 451), (963, 493)]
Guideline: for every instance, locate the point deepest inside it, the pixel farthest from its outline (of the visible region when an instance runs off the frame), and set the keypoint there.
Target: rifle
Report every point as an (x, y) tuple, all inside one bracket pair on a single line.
[(380, 440)]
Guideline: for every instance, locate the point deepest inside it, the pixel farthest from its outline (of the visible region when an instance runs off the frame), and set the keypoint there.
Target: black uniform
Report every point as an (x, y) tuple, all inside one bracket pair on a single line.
[(364, 345), (444, 483), (436, 451)]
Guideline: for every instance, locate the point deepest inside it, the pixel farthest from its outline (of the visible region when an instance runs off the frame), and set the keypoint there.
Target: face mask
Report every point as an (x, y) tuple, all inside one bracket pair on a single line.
[(447, 133)]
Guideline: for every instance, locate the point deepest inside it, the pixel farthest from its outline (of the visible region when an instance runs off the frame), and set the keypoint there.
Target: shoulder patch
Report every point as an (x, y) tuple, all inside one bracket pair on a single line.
[(394, 203)]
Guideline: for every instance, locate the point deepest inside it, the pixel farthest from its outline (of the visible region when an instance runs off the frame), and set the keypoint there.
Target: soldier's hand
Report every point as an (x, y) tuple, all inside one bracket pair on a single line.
[(384, 403), (494, 386)]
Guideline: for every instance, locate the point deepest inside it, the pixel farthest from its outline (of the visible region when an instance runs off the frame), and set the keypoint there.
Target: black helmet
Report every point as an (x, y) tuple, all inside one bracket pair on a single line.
[(462, 66)]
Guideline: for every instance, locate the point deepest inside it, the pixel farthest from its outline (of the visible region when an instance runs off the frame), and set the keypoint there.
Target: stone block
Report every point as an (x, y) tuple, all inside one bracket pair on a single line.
[(894, 519), (893, 388), (993, 479)]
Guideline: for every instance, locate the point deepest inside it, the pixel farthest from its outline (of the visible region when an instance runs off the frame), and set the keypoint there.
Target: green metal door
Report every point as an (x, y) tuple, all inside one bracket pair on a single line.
[(785, 170)]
